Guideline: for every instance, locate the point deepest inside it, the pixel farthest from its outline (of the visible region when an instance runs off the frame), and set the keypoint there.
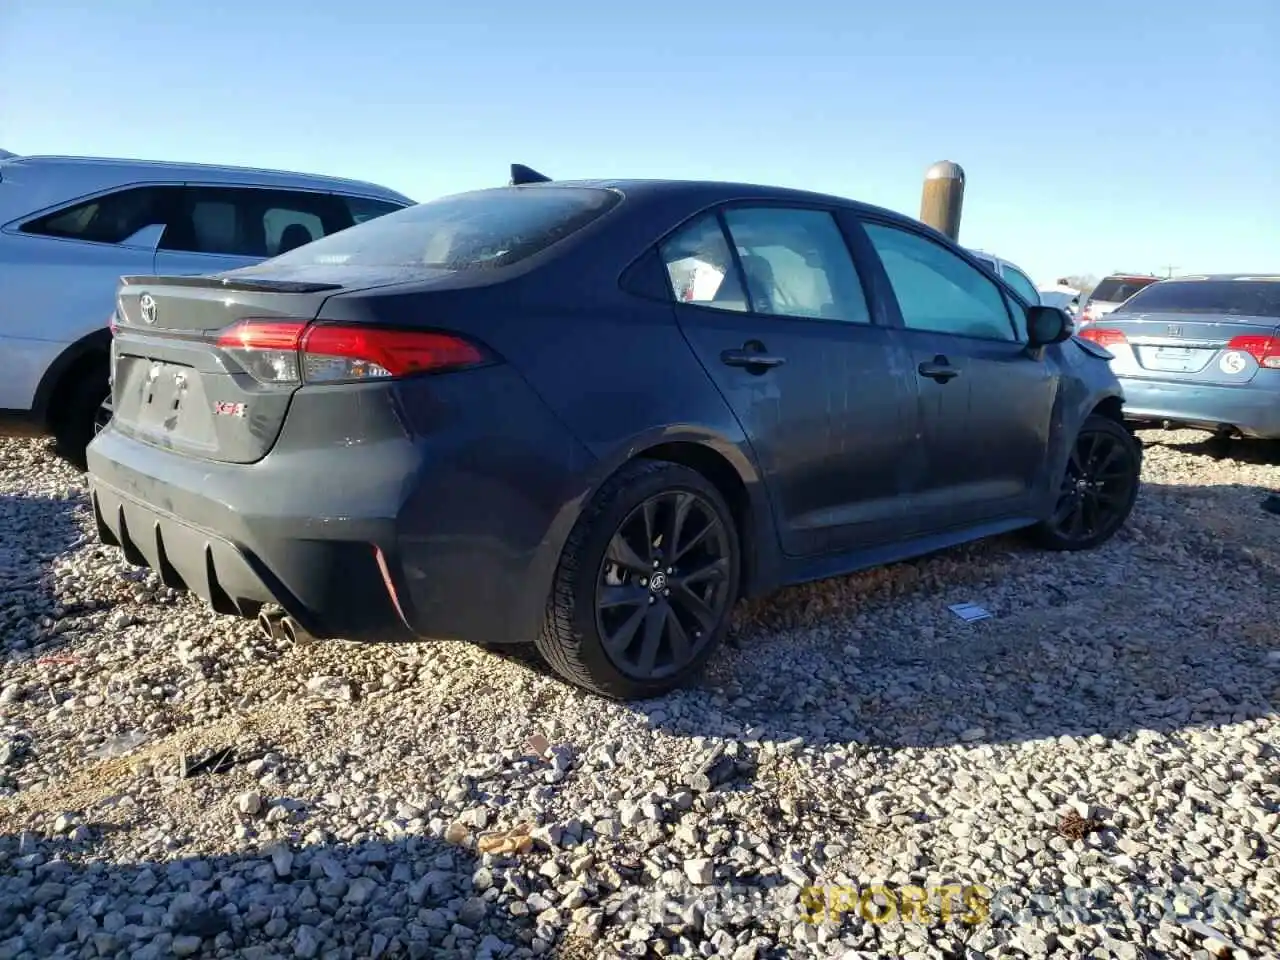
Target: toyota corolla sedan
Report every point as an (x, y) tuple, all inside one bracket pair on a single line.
[(1201, 352), (591, 415)]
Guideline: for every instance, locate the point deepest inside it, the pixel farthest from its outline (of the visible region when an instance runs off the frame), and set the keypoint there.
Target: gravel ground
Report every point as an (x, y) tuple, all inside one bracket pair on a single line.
[(437, 800)]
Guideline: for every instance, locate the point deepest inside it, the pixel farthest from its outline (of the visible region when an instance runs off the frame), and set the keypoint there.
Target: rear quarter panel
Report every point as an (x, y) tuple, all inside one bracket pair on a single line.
[(612, 369)]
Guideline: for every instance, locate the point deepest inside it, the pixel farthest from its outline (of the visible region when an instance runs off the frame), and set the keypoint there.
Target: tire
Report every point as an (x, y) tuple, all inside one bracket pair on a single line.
[(75, 418), (1121, 492), (572, 641)]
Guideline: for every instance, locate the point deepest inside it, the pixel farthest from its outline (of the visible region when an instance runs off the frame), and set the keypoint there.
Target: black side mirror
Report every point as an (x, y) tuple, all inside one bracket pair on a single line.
[(1046, 325)]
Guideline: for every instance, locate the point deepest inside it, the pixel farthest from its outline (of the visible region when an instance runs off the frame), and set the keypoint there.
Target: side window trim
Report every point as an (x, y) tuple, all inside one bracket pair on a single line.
[(738, 271), (892, 297)]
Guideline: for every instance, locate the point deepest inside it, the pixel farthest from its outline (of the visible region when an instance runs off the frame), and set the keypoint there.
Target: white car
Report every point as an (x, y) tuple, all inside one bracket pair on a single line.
[(1062, 295), (1111, 291), (70, 227), (1012, 275)]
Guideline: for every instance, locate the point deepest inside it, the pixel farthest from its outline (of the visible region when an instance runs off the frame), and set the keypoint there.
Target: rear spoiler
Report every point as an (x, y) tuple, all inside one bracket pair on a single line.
[(229, 283), (522, 174)]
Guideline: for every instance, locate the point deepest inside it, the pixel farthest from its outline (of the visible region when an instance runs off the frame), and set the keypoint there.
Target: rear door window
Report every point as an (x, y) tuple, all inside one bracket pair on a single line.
[(797, 264), (110, 218), (252, 221), (481, 230)]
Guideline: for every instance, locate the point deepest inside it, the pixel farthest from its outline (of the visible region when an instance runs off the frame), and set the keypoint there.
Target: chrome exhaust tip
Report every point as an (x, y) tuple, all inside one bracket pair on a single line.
[(294, 631), (269, 625)]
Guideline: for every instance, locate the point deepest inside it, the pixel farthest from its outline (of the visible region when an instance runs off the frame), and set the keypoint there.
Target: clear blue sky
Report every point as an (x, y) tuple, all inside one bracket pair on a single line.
[(1096, 136)]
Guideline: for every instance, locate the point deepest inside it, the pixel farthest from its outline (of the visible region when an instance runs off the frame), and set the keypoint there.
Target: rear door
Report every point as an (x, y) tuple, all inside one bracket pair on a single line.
[(213, 228), (771, 302), (1206, 331), (984, 401)]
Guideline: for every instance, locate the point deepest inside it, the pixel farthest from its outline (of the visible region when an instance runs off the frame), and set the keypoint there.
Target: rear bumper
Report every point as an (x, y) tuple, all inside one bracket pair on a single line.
[(419, 525), (1252, 410), (225, 538)]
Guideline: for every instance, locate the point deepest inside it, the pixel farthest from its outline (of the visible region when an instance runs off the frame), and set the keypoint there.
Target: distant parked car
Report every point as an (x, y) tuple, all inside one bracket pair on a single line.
[(71, 226), (1011, 275), (590, 415), (1110, 292), (1199, 352), (1062, 295)]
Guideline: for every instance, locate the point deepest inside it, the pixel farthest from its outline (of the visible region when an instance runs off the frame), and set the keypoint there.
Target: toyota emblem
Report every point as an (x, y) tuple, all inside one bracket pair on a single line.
[(147, 307)]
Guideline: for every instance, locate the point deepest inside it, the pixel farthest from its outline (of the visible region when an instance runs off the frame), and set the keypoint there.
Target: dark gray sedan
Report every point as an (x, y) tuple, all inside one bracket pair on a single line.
[(1200, 352), (592, 415)]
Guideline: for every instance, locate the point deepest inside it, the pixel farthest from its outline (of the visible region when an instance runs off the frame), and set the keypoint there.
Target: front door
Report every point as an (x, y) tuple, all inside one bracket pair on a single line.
[(985, 401), (779, 321)]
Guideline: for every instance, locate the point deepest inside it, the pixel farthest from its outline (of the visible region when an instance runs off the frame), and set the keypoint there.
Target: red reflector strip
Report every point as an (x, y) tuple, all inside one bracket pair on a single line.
[(389, 583), (1104, 336)]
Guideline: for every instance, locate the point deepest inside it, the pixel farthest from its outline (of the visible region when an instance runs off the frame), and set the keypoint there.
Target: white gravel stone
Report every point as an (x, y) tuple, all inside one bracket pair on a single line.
[(855, 732)]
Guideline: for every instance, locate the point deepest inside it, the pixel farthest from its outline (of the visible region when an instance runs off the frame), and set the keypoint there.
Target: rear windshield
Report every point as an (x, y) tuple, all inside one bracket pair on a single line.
[(1236, 298), (469, 231), (1119, 289)]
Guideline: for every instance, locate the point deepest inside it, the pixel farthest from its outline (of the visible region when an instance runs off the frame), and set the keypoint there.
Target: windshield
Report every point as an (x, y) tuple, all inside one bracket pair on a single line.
[(469, 231), (1235, 298), (1119, 289)]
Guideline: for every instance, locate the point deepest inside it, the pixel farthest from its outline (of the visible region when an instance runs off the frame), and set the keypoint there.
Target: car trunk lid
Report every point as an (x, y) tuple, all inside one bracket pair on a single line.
[(1205, 348), (174, 387)]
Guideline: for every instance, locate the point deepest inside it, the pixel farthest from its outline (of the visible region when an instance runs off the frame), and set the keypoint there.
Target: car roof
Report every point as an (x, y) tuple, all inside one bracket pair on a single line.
[(1003, 261), (718, 191), (1192, 278), (92, 173)]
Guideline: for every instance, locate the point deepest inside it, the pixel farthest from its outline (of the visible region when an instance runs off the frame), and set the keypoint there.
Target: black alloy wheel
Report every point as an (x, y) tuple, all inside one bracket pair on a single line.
[(645, 585), (663, 586), (1098, 489), (80, 410)]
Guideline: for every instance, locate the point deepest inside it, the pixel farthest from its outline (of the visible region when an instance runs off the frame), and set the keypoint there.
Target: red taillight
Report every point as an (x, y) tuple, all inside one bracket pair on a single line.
[(293, 351), (1104, 336), (1264, 349), (267, 349), (263, 335), (334, 353)]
